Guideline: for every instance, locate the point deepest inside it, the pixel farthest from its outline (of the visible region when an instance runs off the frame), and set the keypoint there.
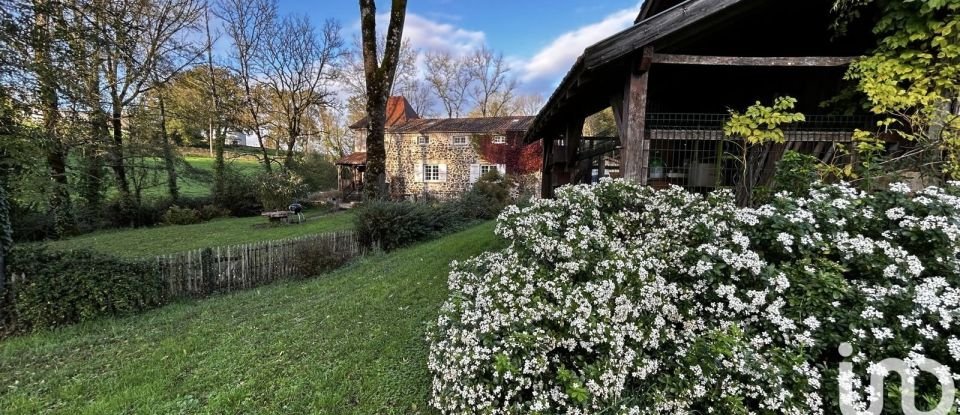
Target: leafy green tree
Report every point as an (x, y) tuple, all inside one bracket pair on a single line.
[(11, 145), (190, 104), (913, 79)]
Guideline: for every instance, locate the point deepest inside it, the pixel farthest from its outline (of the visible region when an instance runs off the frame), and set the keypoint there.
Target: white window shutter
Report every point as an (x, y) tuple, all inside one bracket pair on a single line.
[(443, 172), (502, 169), (418, 172), (474, 173)]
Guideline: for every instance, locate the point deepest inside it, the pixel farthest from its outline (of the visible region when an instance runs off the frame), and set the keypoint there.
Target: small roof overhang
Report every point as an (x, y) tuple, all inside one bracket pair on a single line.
[(355, 159)]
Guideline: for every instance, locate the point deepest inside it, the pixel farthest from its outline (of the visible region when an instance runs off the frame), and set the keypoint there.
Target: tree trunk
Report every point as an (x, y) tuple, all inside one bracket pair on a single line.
[(91, 184), (379, 77), (91, 181), (291, 144), (219, 167), (210, 143), (216, 140), (60, 205), (6, 243), (116, 152), (168, 154), (376, 150)]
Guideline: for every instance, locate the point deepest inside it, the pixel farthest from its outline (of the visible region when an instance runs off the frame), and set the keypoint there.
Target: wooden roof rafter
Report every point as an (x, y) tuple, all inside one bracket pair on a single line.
[(666, 23), (622, 44)]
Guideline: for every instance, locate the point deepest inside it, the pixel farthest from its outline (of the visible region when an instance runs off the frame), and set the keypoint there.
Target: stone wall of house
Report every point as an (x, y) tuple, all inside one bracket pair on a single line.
[(405, 154)]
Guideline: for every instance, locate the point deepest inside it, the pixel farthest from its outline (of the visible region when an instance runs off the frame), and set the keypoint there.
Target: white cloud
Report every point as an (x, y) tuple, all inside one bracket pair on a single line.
[(427, 34), (551, 62)]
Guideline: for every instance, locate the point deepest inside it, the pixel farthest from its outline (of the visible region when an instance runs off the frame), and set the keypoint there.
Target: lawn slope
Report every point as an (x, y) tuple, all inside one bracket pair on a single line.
[(160, 240), (351, 342)]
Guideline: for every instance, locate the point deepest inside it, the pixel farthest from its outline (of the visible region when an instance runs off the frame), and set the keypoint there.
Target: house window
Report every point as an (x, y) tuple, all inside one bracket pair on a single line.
[(423, 140), (499, 139), (487, 168), (431, 172), (459, 140)]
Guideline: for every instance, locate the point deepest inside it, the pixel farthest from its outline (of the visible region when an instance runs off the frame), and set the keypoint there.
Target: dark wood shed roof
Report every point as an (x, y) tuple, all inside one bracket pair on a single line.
[(614, 49)]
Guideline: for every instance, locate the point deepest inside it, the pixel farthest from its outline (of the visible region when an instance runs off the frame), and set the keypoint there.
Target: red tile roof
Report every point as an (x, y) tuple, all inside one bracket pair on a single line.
[(399, 111), (356, 159)]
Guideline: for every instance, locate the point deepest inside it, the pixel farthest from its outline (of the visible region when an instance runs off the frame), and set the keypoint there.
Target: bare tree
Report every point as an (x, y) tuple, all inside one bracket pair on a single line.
[(493, 87), (299, 67), (529, 104), (333, 138), (248, 24), (379, 77), (419, 95), (141, 36), (407, 79), (450, 79)]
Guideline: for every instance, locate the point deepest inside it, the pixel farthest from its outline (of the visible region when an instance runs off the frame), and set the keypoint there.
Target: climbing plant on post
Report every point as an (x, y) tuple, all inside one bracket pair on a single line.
[(379, 75), (759, 127)]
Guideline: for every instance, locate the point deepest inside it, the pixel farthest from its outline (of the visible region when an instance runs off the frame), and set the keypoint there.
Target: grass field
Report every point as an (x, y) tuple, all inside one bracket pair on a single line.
[(145, 242), (195, 179), (351, 342)]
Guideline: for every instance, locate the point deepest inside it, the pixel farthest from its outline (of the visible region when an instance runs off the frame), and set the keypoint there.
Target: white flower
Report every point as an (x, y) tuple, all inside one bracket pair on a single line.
[(645, 281), (786, 240), (900, 187), (954, 345)]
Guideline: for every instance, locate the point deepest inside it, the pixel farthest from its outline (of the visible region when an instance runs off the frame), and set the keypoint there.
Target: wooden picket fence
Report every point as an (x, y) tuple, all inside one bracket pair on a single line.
[(202, 272)]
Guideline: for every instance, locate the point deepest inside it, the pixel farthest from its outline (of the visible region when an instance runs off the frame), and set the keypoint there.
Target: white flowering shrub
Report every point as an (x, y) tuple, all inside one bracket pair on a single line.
[(614, 298)]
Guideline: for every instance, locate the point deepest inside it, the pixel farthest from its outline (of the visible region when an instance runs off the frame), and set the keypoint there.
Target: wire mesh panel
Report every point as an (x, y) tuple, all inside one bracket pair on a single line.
[(690, 150)]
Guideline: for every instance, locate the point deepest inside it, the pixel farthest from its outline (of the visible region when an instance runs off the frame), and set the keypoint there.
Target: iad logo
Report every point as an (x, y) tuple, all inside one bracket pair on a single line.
[(879, 372)]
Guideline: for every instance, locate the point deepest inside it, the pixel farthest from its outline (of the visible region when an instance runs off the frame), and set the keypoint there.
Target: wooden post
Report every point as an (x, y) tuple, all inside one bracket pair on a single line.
[(572, 137), (634, 154), (546, 182)]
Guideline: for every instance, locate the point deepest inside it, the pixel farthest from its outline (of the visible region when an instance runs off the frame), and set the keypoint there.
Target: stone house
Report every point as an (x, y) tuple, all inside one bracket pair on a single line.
[(439, 157)]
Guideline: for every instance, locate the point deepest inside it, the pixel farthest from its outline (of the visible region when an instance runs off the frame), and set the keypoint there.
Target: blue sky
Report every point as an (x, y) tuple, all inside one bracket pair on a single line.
[(540, 38)]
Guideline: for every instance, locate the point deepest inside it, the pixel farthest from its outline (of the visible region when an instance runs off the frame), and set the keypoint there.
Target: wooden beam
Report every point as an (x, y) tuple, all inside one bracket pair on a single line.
[(798, 61), (616, 104), (646, 60), (597, 151), (589, 138), (656, 27), (632, 157)]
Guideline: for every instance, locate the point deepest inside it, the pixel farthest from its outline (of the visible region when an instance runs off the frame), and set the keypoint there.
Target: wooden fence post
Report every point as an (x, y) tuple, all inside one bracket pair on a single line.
[(201, 272)]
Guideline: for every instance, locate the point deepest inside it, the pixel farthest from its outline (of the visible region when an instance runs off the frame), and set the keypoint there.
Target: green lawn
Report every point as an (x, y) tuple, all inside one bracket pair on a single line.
[(145, 242), (195, 179), (348, 342)]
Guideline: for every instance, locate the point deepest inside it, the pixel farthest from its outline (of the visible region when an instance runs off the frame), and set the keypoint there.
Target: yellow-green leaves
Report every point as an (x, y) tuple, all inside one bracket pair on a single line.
[(761, 124), (913, 76)]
